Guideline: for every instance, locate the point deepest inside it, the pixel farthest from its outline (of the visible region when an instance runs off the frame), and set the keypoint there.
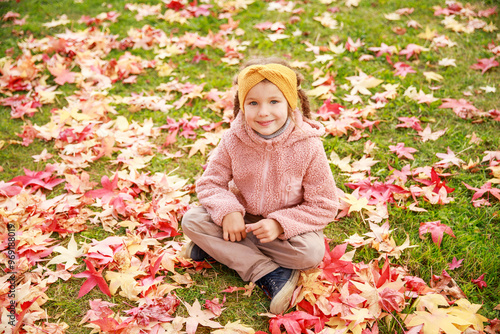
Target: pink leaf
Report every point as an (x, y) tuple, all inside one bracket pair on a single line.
[(410, 122), (436, 229), (485, 64), (460, 107), (403, 151), (403, 69), (455, 263)]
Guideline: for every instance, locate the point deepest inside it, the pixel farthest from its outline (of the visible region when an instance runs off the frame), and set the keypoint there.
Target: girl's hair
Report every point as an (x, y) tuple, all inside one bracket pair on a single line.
[(304, 101)]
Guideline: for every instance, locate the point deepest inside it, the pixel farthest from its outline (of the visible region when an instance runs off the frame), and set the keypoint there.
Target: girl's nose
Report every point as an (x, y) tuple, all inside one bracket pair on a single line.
[(263, 110)]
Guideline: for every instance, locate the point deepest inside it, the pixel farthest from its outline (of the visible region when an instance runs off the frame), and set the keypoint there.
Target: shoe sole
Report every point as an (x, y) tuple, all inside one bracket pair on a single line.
[(281, 301), (186, 250)]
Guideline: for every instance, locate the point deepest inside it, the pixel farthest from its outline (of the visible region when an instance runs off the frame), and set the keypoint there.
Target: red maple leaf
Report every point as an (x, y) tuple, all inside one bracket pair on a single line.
[(199, 57), (93, 278), (295, 323), (495, 114), (485, 64), (391, 300), (332, 264), (19, 317), (377, 192), (436, 229), (484, 189), (215, 306), (480, 282), (175, 5), (328, 110), (37, 180), (107, 192), (435, 180), (232, 289)]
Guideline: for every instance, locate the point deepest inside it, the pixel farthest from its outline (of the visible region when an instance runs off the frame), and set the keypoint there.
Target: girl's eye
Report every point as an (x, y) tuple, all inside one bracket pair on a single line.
[(274, 102), (252, 103)]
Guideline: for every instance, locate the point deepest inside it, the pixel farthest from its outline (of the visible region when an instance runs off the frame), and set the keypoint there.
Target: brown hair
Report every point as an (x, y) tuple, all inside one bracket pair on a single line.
[(304, 101)]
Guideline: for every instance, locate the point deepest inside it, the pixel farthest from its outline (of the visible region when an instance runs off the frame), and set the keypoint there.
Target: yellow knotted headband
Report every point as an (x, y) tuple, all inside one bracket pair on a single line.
[(283, 77)]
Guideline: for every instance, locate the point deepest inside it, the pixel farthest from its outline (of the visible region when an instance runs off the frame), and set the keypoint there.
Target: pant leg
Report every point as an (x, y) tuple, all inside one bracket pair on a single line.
[(243, 256), (301, 252)]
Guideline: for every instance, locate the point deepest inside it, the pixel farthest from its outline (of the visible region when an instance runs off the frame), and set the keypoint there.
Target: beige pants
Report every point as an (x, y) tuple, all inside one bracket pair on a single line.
[(250, 258)]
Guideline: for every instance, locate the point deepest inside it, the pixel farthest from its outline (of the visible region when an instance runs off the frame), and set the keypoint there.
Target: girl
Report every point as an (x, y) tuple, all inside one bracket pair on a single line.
[(267, 192)]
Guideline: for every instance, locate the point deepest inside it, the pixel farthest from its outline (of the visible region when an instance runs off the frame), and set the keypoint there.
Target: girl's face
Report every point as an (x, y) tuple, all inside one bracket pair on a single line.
[(265, 108)]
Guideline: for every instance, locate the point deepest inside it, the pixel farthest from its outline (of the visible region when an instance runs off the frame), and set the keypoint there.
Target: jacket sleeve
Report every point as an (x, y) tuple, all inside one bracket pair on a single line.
[(212, 187), (320, 204)]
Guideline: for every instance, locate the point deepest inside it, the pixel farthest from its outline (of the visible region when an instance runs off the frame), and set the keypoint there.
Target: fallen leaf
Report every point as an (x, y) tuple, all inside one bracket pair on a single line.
[(68, 255), (455, 263), (93, 278), (197, 317), (436, 229)]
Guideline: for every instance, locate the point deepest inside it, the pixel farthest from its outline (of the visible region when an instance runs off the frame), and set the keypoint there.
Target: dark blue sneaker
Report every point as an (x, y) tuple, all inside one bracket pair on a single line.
[(279, 286), (195, 253)]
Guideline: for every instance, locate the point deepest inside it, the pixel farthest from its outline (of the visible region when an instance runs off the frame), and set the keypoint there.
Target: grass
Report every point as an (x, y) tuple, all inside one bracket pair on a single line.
[(477, 230)]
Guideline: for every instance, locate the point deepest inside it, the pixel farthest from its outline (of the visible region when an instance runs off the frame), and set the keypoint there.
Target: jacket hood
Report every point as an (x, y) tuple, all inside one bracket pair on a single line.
[(299, 128)]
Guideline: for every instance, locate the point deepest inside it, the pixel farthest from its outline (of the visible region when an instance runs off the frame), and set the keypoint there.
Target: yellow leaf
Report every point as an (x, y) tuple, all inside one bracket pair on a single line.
[(428, 34), (467, 311), (126, 281), (312, 288), (436, 321), (121, 123), (430, 301), (320, 91), (392, 16), (164, 70), (433, 76), (357, 204), (234, 328), (343, 164)]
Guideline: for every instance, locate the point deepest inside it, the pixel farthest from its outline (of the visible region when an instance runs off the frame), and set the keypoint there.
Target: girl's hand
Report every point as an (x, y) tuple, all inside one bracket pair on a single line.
[(233, 227), (266, 230)]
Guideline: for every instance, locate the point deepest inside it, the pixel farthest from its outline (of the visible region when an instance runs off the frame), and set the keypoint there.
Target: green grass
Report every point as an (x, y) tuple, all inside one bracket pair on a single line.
[(477, 230)]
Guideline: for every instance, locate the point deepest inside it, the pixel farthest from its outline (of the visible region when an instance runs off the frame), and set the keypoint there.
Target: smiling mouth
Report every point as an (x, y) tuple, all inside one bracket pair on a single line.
[(266, 123)]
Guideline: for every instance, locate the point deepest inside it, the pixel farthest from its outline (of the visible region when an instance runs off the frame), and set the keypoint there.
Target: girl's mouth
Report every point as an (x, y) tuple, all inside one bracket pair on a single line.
[(266, 123)]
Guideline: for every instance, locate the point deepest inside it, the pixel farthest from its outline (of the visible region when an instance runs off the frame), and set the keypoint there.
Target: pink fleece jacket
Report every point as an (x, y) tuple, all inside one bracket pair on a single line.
[(287, 178)]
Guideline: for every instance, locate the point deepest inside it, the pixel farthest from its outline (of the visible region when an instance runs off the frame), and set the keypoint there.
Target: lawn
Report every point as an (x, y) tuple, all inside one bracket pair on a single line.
[(110, 109)]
